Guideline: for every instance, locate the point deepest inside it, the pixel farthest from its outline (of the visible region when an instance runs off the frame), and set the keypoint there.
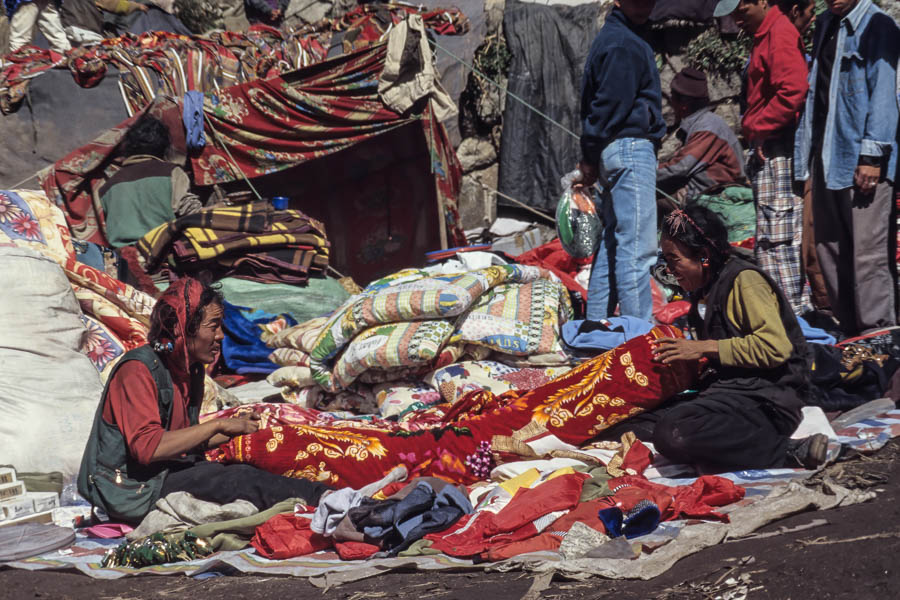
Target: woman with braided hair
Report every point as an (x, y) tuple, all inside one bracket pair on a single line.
[(147, 441), (757, 361)]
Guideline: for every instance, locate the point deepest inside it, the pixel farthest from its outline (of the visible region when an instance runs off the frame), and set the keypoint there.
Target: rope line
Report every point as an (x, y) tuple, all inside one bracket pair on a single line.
[(17, 186), (519, 202)]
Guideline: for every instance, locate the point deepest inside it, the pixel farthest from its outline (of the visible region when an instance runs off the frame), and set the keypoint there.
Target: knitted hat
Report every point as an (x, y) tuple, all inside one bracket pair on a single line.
[(691, 83)]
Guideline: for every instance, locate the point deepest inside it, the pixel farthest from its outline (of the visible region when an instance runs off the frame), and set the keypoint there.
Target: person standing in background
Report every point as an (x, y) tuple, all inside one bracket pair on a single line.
[(776, 88), (847, 145), (802, 13), (25, 14), (621, 129)]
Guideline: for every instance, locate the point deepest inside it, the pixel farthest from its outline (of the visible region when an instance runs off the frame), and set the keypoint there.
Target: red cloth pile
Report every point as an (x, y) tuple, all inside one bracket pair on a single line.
[(535, 519), (552, 257), (287, 536)]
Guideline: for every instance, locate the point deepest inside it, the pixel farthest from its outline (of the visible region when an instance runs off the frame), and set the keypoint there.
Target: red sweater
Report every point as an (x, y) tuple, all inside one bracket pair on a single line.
[(132, 406), (776, 79)]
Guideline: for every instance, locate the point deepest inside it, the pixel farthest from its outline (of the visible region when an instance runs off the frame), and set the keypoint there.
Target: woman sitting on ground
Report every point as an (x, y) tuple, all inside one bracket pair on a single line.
[(147, 441), (751, 394)]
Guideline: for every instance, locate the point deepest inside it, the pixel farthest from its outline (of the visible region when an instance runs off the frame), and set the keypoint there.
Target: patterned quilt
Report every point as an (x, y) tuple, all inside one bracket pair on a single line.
[(412, 320)]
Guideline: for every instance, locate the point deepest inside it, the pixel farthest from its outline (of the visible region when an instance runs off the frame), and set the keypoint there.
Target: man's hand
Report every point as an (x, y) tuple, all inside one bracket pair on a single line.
[(275, 14), (759, 153), (866, 178), (667, 350), (589, 174), (240, 426), (142, 7)]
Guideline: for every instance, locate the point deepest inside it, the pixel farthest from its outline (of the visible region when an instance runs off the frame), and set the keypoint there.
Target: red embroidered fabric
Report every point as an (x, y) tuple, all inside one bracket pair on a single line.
[(599, 393)]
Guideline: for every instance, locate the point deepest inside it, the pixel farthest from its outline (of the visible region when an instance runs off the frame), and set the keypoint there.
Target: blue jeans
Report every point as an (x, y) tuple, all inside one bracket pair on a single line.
[(621, 271)]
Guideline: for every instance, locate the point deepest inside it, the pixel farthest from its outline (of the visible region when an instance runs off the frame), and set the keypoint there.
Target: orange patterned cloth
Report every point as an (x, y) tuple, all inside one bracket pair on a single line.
[(574, 407)]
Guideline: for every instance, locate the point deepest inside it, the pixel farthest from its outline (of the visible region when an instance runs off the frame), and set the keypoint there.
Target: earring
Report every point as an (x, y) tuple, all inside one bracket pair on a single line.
[(704, 261), (161, 348)]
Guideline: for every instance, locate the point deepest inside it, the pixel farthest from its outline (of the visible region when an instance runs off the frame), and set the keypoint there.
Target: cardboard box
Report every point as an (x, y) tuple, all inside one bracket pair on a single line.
[(44, 517), (11, 490), (7, 475), (43, 500), (17, 508)]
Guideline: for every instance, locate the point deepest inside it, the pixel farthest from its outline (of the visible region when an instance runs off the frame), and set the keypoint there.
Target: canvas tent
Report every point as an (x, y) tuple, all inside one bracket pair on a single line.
[(384, 183), (53, 103)]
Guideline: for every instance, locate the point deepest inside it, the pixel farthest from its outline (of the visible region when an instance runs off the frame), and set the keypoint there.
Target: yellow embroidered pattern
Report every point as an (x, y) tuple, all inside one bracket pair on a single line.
[(580, 392), (277, 438), (313, 473), (359, 446), (631, 372)]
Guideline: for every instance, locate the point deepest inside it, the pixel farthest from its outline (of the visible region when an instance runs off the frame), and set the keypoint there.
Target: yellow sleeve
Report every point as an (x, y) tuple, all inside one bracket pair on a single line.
[(752, 307)]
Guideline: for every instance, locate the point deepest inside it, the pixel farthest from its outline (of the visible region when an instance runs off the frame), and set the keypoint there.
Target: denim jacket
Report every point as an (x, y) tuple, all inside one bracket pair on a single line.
[(863, 108)]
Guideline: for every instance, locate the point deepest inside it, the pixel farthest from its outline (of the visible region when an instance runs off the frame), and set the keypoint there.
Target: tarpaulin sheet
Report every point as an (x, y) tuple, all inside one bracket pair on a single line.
[(771, 494), (58, 116), (549, 45)]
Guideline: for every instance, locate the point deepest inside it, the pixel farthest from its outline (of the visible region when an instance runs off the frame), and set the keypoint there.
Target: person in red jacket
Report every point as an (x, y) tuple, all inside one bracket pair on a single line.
[(776, 88)]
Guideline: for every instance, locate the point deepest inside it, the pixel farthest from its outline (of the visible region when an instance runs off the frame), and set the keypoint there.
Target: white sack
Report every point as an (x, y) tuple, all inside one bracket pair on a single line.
[(48, 389)]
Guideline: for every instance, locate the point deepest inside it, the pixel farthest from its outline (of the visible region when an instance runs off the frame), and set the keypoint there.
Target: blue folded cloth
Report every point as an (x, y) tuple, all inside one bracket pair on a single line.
[(814, 334), (192, 115), (640, 520), (621, 329), (242, 348)]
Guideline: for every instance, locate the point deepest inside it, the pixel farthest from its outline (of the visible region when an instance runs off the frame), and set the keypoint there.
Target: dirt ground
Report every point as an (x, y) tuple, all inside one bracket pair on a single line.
[(847, 552)]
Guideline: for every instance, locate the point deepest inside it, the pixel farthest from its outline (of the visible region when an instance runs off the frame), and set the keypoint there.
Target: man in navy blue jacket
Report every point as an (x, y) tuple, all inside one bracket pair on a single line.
[(621, 128)]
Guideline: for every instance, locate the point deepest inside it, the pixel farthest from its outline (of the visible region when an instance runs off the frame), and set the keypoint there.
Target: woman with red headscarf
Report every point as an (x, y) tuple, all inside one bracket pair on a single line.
[(147, 441)]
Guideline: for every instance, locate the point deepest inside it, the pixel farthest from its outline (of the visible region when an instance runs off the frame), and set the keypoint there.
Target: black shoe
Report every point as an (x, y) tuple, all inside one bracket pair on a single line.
[(809, 453)]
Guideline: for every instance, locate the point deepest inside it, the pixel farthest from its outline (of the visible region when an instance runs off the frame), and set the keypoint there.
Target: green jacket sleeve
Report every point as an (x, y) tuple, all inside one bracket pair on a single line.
[(752, 309)]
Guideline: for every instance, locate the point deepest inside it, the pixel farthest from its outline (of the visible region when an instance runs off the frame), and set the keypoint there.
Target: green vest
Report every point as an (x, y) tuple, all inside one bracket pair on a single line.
[(136, 200), (111, 479)]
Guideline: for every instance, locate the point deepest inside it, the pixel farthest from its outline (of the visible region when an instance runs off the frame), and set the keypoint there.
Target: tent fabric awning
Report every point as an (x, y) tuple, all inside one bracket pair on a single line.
[(272, 125)]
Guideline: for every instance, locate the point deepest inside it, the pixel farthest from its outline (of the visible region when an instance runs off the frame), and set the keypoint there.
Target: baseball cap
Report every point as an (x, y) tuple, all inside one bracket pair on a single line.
[(725, 7)]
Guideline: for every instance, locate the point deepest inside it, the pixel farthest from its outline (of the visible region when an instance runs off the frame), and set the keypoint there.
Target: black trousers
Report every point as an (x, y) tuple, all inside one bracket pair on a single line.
[(723, 429), (215, 482)]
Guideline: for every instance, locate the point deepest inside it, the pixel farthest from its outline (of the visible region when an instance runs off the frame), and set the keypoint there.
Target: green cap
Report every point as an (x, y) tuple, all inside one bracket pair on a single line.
[(725, 7)]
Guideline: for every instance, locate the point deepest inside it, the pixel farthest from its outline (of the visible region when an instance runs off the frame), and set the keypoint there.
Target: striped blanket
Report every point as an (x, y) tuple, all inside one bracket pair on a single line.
[(247, 240)]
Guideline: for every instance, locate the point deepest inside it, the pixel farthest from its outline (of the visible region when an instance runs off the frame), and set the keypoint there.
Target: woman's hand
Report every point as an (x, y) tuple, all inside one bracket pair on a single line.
[(238, 426), (667, 350), (209, 434)]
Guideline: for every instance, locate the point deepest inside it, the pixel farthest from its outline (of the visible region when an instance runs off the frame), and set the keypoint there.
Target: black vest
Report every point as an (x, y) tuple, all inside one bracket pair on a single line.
[(109, 477), (786, 385)]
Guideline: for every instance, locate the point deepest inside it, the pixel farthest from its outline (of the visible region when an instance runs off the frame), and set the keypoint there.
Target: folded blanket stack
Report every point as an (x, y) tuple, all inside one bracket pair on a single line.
[(251, 241)]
